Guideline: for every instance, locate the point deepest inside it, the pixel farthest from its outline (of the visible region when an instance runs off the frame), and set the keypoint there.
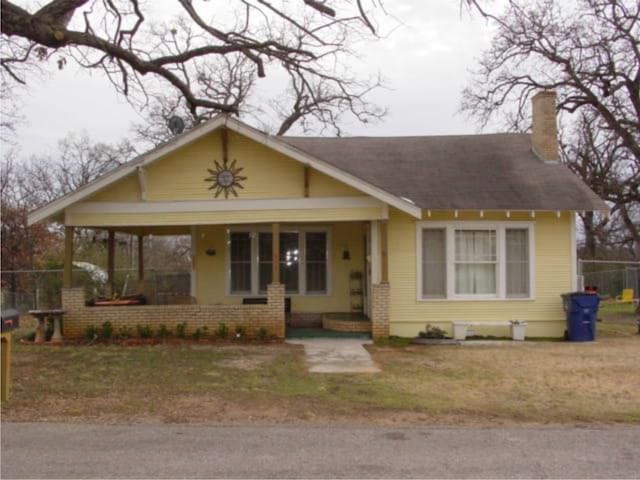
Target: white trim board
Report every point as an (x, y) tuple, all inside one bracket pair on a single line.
[(313, 203), (499, 227), (235, 125)]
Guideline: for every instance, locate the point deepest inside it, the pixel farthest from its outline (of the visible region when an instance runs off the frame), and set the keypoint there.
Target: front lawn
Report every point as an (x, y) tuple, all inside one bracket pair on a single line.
[(538, 382)]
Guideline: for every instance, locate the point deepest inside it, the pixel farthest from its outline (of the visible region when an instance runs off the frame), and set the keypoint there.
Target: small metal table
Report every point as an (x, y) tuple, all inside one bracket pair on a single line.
[(42, 316)]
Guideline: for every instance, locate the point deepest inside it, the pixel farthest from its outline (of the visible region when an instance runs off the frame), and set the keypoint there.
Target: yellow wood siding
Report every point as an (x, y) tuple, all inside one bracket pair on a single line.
[(321, 185), (544, 313), (211, 274), (124, 190)]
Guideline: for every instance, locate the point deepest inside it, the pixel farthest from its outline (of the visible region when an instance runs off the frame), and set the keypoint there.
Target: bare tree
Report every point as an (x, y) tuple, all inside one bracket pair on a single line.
[(589, 52), (78, 160), (141, 53)]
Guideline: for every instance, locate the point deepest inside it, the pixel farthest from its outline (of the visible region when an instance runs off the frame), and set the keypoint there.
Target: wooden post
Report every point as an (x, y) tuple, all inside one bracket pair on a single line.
[(384, 257), (306, 181), (111, 260), (275, 242), (67, 277), (140, 257), (6, 365)]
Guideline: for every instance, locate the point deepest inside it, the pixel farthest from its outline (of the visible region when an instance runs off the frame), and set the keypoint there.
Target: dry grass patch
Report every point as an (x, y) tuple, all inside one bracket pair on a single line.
[(538, 382)]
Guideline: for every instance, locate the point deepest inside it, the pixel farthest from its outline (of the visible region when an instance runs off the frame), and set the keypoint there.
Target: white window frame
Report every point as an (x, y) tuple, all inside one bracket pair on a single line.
[(302, 261), (501, 270)]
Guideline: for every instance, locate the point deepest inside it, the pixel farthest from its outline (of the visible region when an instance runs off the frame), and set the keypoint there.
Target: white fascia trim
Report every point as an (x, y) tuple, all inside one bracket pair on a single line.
[(238, 127), (227, 205)]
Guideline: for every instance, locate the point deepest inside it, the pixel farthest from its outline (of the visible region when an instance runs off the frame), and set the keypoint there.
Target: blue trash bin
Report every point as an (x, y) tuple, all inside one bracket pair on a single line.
[(582, 313)]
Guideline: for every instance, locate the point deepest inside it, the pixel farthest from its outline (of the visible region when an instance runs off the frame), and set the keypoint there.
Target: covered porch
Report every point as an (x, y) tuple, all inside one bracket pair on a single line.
[(329, 275)]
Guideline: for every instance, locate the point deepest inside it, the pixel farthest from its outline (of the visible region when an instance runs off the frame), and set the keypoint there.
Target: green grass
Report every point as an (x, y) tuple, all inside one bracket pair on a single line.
[(541, 382)]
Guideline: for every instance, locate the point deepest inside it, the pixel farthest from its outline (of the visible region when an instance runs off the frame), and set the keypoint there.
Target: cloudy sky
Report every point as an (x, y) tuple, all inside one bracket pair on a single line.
[(425, 62)]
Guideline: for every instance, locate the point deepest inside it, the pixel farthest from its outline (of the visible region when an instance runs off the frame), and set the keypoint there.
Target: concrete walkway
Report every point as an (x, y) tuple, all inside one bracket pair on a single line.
[(337, 355), (49, 450)]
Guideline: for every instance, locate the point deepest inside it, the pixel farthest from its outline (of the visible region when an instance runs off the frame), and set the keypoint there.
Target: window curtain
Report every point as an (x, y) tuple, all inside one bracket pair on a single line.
[(517, 262), (434, 263), (475, 256)]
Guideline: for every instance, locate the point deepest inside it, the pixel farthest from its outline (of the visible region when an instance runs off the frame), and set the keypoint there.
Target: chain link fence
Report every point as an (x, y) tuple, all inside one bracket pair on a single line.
[(611, 279), (36, 289)]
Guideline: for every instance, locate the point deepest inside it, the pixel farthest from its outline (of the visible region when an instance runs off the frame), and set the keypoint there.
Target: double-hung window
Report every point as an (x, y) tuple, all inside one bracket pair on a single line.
[(464, 260), (303, 254)]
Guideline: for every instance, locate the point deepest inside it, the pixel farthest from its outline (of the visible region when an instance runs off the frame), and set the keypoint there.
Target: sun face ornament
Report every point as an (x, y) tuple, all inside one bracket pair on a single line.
[(225, 178)]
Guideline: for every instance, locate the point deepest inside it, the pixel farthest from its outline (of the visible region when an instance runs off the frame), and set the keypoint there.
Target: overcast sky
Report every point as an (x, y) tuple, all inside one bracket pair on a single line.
[(425, 62)]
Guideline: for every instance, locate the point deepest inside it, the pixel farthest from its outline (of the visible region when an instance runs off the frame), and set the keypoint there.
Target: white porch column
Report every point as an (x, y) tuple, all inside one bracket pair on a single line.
[(375, 252), (194, 252)]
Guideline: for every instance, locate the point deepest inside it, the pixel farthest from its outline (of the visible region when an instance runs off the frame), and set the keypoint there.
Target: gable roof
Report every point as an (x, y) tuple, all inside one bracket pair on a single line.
[(463, 172), (471, 172)]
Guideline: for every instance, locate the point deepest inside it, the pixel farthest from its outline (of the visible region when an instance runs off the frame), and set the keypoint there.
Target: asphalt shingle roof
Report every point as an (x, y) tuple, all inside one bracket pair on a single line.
[(465, 172)]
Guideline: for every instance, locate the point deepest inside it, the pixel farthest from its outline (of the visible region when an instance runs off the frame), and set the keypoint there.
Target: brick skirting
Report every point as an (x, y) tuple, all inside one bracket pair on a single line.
[(380, 310), (251, 317)]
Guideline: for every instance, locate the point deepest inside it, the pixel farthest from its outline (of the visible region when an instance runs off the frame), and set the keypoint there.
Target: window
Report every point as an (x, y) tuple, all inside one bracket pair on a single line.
[(474, 260), (434, 263), (304, 262), (265, 260), (517, 247), (316, 262), (240, 260), (290, 262)]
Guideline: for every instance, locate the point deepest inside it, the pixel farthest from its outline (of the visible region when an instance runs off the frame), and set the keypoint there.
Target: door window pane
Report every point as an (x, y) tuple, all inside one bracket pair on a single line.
[(475, 258), (240, 262), (289, 261), (434, 271), (517, 262), (316, 262)]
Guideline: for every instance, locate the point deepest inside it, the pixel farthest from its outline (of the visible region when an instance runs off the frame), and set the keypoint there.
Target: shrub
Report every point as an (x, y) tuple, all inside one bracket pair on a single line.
[(197, 334), (163, 332), (106, 332), (125, 332), (432, 332), (222, 331), (144, 331), (90, 333), (263, 334), (240, 331), (181, 330)]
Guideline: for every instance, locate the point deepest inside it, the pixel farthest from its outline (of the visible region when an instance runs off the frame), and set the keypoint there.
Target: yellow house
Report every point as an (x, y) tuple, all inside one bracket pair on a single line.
[(399, 232)]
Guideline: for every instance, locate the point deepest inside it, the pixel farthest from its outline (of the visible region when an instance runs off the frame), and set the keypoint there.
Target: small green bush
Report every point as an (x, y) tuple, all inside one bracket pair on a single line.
[(106, 332), (263, 334), (197, 334), (222, 331), (432, 332), (240, 331), (181, 330), (144, 331), (91, 333), (125, 332), (163, 332)]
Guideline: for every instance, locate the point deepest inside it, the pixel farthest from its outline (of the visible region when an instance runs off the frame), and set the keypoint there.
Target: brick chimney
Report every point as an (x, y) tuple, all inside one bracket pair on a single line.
[(544, 136)]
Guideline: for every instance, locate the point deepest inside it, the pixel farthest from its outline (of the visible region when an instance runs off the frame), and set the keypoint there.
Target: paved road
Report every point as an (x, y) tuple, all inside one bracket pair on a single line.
[(179, 451)]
